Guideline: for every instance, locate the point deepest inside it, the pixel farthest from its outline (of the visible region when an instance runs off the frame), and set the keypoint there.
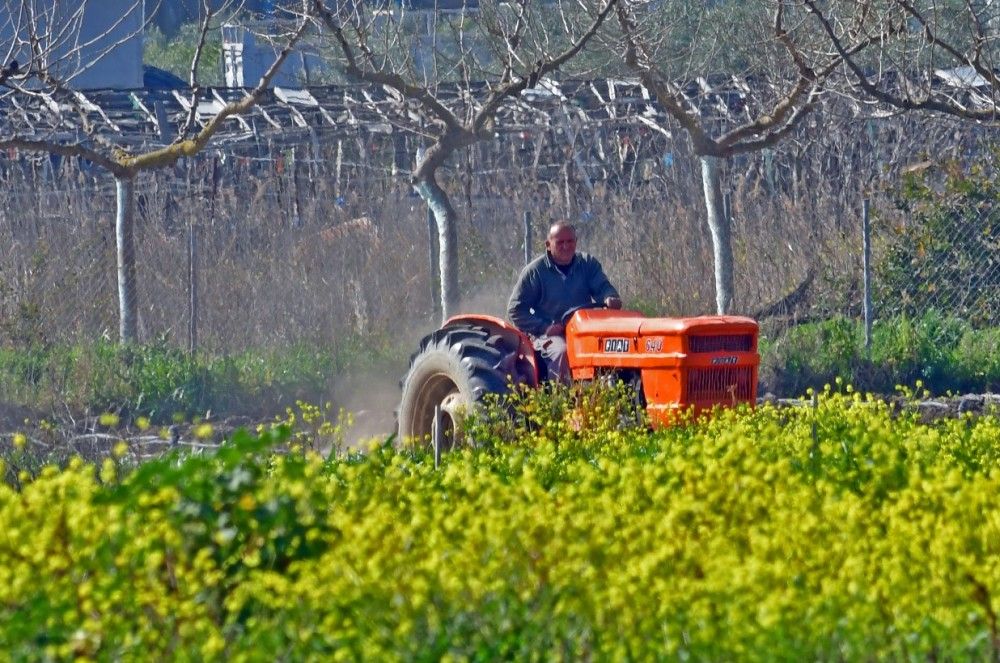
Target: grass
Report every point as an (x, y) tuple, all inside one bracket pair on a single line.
[(162, 382), (946, 354)]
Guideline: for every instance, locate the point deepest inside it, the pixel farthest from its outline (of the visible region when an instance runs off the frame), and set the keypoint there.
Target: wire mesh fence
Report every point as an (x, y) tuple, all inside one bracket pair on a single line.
[(935, 272), (942, 259), (315, 245)]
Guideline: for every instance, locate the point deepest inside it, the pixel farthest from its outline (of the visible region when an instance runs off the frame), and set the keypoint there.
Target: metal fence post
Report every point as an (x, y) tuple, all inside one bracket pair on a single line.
[(436, 435), (192, 256), (192, 275), (527, 237), (866, 263)]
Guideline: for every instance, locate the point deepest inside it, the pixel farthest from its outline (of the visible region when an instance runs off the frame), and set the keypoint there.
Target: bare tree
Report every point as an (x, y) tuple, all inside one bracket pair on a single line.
[(505, 46), (775, 72), (52, 46), (943, 56)]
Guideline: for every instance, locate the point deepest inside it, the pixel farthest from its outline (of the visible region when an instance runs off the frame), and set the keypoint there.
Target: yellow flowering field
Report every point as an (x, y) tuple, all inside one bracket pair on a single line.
[(836, 532)]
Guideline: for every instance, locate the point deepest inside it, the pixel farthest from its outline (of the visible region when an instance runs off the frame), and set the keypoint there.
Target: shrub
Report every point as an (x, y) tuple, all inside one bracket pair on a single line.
[(977, 360), (940, 254), (945, 353), (811, 355), (906, 349)]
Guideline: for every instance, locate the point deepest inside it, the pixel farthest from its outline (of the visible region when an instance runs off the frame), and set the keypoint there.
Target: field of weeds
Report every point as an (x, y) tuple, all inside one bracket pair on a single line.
[(840, 531)]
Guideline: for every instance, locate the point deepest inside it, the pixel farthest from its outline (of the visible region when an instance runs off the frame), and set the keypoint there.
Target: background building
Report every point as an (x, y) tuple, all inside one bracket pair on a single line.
[(105, 52)]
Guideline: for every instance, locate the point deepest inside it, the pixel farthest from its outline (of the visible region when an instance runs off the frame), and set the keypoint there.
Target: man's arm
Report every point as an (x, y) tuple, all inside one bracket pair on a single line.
[(525, 296), (600, 286)]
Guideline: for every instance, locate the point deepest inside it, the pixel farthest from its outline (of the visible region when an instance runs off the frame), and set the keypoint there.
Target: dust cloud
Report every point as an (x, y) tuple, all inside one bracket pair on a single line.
[(372, 395)]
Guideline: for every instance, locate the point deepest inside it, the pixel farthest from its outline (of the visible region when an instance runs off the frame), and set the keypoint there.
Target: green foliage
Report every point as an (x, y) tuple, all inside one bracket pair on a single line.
[(923, 348), (176, 54), (946, 354), (160, 381), (773, 534), (977, 358), (819, 352), (582, 413), (940, 255)]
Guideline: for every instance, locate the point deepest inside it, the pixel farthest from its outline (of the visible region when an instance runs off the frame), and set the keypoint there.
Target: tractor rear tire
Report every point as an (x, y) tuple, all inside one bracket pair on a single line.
[(454, 369)]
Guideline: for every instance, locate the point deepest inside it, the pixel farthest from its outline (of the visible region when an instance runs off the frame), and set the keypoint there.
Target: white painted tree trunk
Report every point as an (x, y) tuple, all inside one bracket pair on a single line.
[(444, 214), (128, 298), (719, 225)]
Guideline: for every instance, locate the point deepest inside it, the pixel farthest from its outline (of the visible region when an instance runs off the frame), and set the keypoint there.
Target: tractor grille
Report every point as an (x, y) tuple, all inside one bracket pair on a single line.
[(720, 385), (724, 343)]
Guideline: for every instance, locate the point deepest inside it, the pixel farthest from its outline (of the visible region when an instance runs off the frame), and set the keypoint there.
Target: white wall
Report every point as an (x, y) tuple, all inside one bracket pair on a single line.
[(122, 67), (105, 22), (245, 60)]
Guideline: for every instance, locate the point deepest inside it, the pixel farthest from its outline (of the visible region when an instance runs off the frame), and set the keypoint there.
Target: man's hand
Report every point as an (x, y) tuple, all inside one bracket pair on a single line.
[(555, 329), (613, 302)]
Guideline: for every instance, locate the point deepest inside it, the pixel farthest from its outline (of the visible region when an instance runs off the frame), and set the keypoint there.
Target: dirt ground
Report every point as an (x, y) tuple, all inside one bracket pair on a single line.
[(370, 400), (371, 404), (930, 410)]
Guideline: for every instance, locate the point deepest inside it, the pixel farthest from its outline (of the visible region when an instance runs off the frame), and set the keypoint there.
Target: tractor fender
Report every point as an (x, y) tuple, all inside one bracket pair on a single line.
[(519, 342)]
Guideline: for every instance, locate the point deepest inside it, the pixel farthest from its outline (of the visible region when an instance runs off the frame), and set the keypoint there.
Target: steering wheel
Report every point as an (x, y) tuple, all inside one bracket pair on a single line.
[(569, 312)]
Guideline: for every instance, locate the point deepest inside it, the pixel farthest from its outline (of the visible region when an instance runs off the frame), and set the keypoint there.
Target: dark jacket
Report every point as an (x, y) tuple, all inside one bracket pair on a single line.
[(543, 294)]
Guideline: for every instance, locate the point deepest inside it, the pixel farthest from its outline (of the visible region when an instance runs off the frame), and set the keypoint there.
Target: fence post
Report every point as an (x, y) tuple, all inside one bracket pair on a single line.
[(436, 435), (866, 236), (339, 166), (193, 257), (192, 251), (527, 237)]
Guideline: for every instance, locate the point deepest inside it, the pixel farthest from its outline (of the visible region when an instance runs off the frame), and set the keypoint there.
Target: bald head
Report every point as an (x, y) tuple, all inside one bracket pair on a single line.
[(561, 243), (561, 225)]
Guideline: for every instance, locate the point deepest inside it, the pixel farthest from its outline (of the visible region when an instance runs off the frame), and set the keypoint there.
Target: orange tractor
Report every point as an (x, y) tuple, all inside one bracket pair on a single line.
[(674, 364)]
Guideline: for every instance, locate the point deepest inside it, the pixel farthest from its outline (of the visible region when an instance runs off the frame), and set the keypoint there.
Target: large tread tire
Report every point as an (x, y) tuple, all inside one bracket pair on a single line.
[(454, 368)]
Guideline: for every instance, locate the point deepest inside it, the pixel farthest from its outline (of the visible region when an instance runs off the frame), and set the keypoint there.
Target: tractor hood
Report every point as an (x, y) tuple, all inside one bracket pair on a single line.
[(605, 322)]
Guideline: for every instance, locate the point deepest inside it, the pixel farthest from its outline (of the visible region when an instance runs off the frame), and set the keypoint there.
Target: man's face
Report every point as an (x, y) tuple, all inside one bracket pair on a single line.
[(562, 246)]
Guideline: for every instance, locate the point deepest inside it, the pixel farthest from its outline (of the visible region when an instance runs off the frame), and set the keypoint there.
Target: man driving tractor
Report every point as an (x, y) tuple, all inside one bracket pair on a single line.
[(676, 364), (558, 281)]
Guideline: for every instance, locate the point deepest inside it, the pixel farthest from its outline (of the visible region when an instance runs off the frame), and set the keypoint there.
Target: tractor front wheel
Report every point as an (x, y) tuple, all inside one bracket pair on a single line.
[(454, 369)]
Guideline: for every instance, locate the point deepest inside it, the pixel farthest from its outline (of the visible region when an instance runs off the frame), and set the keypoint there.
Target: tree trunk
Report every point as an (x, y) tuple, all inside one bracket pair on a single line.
[(719, 224), (128, 297), (447, 221)]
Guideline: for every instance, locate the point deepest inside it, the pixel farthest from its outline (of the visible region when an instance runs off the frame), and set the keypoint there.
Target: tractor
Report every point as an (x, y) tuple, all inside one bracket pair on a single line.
[(674, 364)]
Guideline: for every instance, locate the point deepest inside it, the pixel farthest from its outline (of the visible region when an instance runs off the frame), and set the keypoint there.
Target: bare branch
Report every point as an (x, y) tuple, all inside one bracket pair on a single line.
[(539, 71), (929, 100), (664, 92), (381, 76), (184, 148), (763, 129), (207, 14), (66, 150)]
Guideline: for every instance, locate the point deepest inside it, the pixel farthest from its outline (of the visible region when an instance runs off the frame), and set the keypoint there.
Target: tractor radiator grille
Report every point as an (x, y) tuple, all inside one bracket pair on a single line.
[(724, 386), (725, 343)]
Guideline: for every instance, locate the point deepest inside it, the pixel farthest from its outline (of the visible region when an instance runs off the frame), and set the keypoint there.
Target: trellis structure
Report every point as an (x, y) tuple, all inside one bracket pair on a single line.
[(149, 118)]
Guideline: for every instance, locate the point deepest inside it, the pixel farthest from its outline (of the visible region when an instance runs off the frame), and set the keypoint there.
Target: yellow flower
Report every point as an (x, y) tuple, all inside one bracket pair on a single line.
[(120, 449), (20, 440), (108, 420), (108, 471)]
